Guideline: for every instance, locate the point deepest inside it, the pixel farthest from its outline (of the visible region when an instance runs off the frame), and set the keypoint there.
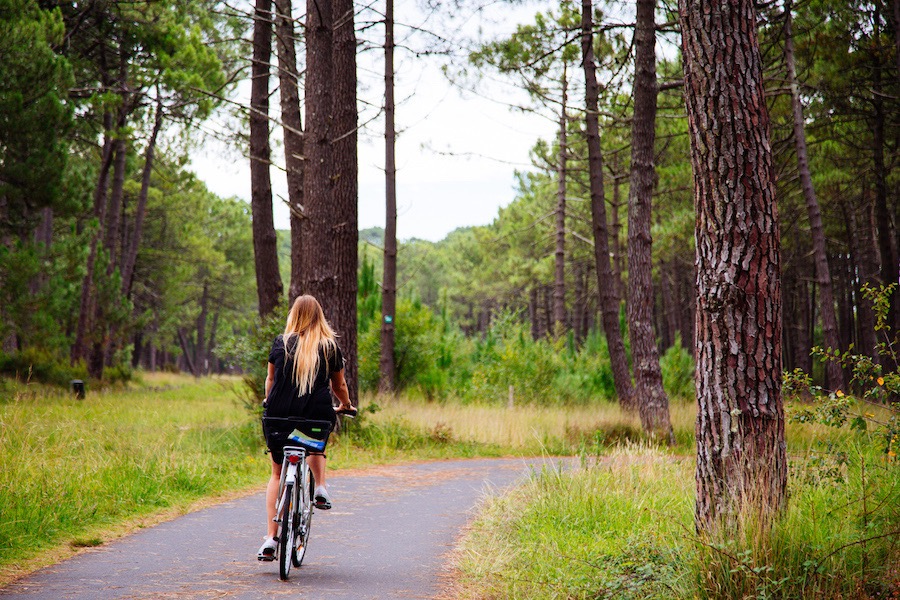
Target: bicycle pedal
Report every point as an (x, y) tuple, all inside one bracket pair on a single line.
[(265, 558)]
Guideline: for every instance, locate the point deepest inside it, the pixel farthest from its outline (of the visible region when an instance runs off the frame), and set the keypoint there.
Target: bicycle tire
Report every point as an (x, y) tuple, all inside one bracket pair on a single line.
[(304, 524), (286, 538)]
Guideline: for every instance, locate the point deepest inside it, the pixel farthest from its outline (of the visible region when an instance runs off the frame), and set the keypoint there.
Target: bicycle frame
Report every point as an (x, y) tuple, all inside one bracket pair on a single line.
[(293, 509)]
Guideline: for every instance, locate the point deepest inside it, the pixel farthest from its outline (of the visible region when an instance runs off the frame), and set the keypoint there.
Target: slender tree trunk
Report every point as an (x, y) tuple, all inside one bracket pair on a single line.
[(578, 304), (609, 300), (110, 221), (652, 400), (389, 280), (293, 135), (269, 288), (559, 284), (823, 272), (200, 347), (85, 312), (617, 260), (741, 459), (141, 209), (186, 353), (861, 233)]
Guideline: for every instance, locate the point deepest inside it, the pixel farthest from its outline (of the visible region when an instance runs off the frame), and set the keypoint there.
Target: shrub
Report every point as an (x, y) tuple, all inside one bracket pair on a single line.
[(34, 364)]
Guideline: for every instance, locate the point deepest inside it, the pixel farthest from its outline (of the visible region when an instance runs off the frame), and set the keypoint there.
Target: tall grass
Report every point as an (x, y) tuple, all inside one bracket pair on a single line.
[(72, 468), (532, 428), (622, 527)]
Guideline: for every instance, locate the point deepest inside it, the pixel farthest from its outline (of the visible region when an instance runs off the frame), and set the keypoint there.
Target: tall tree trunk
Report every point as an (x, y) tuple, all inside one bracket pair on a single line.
[(615, 246), (652, 400), (200, 346), (141, 209), (389, 280), (559, 282), (292, 123), (269, 288), (86, 310), (887, 231), (318, 181), (609, 299), (823, 272), (578, 304), (741, 459), (99, 329), (345, 220), (861, 234), (187, 353)]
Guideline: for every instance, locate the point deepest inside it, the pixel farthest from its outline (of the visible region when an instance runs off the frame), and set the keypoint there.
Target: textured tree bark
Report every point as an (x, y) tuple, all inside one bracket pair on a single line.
[(389, 279), (741, 459), (318, 182), (292, 123), (269, 289), (559, 281), (606, 282), (346, 192), (652, 400), (833, 369)]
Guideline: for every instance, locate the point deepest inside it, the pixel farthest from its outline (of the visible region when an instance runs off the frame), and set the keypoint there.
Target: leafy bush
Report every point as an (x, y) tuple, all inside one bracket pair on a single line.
[(677, 366), (33, 364)]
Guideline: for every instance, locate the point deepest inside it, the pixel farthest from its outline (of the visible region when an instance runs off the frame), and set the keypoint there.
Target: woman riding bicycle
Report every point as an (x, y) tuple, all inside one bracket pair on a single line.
[(305, 367)]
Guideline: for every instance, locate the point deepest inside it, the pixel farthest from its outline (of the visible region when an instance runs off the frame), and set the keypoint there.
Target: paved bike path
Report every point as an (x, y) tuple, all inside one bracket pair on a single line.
[(386, 538)]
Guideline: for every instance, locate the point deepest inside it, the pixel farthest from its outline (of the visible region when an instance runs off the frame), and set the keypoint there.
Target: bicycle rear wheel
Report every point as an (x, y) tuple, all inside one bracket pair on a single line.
[(286, 539), (304, 518)]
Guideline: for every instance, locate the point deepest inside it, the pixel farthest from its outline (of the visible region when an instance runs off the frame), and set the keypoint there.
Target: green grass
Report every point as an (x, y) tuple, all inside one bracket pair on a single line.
[(74, 470), (622, 527)]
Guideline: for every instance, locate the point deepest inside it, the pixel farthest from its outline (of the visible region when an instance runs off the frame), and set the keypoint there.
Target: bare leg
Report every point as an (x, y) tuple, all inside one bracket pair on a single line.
[(317, 466), (272, 499)]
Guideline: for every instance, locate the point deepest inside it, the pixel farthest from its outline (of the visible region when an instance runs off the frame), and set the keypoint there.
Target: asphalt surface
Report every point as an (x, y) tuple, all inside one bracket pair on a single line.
[(387, 536)]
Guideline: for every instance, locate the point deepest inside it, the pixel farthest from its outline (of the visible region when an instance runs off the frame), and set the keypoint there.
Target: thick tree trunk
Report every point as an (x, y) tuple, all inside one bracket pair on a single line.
[(741, 459), (559, 282), (318, 182), (293, 135), (389, 279), (345, 220), (833, 369), (652, 400), (609, 300), (269, 288), (141, 209)]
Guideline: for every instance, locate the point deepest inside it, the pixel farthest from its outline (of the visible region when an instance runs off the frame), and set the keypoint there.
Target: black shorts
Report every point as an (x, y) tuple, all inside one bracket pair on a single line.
[(276, 435)]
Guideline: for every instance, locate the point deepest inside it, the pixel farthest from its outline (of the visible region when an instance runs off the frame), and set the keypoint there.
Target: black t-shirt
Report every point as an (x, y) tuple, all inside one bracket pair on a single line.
[(284, 399)]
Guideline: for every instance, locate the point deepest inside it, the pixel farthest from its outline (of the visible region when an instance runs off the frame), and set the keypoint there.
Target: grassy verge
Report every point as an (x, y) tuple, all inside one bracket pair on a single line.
[(622, 527), (77, 472)]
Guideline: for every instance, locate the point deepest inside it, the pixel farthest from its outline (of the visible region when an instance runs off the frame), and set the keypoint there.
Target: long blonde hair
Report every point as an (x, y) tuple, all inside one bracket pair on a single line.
[(306, 321)]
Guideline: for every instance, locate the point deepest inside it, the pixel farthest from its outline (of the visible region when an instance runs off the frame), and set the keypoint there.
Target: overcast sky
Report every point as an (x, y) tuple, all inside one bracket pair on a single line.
[(456, 153)]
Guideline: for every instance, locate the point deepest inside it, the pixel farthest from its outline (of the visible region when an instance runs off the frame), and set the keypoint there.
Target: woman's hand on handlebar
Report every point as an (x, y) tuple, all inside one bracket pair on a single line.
[(347, 410)]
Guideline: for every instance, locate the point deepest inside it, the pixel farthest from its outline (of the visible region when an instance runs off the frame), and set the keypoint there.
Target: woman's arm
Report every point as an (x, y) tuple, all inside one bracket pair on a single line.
[(339, 389), (270, 378)]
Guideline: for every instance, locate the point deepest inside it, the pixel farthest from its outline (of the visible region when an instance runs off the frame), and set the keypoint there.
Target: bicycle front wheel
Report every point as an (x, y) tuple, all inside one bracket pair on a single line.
[(304, 521), (286, 539)]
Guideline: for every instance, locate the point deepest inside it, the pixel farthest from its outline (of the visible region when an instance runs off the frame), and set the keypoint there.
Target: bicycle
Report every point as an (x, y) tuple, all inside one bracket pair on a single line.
[(296, 489)]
